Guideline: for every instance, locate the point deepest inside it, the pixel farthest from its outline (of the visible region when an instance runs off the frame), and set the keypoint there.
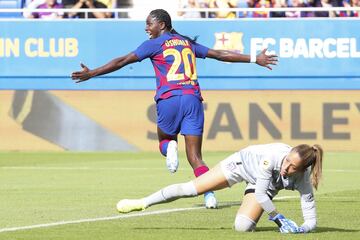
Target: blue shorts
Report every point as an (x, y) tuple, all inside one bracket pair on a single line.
[(184, 114)]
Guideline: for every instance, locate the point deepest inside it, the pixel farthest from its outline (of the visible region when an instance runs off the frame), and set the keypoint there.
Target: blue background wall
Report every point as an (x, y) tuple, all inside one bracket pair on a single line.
[(100, 41)]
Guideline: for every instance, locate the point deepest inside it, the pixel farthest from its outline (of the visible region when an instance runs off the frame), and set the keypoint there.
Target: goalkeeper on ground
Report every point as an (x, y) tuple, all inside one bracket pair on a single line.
[(266, 169)]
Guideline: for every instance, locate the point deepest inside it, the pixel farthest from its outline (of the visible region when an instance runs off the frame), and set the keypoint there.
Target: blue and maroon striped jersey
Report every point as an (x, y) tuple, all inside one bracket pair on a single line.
[(173, 58)]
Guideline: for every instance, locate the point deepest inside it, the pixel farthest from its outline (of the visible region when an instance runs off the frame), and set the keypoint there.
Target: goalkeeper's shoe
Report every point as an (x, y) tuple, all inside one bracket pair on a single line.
[(130, 205), (172, 161), (210, 200)]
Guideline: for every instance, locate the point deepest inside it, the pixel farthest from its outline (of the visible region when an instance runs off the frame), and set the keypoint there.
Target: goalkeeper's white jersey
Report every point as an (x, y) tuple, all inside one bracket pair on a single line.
[(264, 162), (259, 166)]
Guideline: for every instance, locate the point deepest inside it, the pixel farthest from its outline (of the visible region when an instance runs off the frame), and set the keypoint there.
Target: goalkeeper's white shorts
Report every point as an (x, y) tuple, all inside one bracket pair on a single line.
[(234, 172)]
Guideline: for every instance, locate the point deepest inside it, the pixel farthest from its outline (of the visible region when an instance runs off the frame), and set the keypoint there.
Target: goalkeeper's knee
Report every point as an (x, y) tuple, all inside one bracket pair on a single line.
[(244, 224)]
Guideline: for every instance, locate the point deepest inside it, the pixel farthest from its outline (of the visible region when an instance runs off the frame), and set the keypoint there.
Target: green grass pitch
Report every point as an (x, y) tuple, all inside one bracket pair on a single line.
[(73, 196)]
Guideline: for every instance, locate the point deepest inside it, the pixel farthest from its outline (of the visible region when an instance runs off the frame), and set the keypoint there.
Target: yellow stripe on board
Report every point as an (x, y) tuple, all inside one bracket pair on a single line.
[(26, 108)]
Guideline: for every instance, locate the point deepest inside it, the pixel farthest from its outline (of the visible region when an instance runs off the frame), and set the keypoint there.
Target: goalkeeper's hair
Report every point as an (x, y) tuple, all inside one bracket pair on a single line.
[(311, 156), (163, 16)]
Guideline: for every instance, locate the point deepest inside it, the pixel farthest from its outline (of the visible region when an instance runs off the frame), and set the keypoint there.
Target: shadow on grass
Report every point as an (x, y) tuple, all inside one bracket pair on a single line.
[(183, 228), (318, 229), (222, 205), (259, 229), (330, 229)]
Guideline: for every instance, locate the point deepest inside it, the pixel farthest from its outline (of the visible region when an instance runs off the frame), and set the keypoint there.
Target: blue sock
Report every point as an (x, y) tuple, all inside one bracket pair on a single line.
[(163, 146)]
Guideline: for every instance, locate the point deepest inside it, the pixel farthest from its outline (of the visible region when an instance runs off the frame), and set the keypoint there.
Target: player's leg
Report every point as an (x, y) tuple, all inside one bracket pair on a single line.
[(212, 180), (193, 146), (168, 148), (167, 129), (194, 156), (192, 127), (248, 214), (225, 174)]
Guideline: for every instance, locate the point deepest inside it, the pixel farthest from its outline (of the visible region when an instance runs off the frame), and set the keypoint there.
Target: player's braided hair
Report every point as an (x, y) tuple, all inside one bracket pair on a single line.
[(163, 16)]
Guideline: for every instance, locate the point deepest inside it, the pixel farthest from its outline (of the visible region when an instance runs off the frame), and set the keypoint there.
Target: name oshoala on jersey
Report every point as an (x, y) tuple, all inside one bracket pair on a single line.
[(174, 61)]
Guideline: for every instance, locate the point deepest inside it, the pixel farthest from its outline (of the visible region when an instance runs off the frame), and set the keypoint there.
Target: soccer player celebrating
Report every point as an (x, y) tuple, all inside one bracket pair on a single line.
[(266, 169), (178, 97)]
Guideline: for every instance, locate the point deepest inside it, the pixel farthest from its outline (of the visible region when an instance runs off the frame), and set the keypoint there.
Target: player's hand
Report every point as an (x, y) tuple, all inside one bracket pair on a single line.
[(265, 60), (82, 75), (286, 225)]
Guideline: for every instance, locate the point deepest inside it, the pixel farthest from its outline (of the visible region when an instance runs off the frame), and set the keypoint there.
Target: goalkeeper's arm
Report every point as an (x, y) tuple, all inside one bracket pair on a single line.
[(309, 212), (307, 203), (285, 225)]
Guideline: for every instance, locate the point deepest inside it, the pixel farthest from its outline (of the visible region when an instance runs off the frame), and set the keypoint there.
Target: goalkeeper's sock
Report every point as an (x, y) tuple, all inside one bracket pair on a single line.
[(171, 193)]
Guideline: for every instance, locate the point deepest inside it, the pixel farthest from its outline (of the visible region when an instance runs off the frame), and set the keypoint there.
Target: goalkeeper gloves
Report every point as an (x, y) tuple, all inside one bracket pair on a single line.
[(286, 225)]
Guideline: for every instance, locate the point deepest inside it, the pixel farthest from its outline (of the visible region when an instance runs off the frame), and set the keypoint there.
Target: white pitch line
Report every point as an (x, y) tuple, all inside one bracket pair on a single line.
[(141, 214), (45, 225), (79, 168), (128, 168), (341, 170)]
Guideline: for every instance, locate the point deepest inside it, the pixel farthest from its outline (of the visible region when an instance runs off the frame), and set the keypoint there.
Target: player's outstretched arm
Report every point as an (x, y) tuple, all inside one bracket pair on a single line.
[(113, 65), (262, 58)]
